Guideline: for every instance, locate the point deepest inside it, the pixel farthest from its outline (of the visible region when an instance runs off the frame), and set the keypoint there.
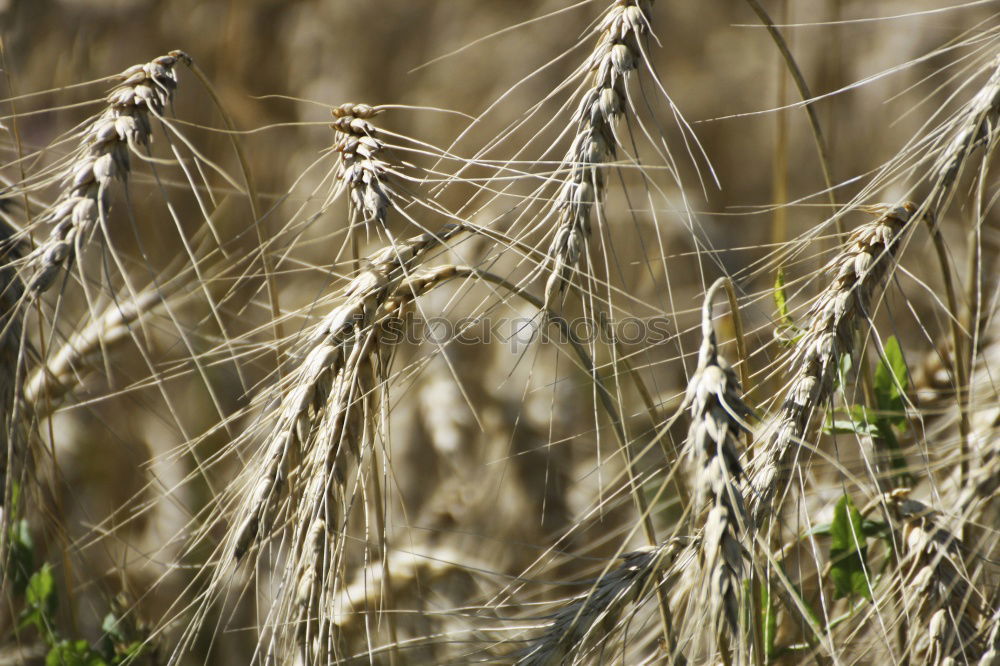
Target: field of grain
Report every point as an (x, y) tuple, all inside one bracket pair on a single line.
[(518, 332)]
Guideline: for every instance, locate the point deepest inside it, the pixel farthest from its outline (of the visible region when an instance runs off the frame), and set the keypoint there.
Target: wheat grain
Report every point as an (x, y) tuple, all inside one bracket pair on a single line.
[(364, 173)]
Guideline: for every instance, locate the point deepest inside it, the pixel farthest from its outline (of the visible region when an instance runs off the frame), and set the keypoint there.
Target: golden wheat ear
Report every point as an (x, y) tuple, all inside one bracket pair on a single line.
[(322, 430), (103, 156), (945, 611), (582, 627), (857, 273), (601, 108), (718, 416)]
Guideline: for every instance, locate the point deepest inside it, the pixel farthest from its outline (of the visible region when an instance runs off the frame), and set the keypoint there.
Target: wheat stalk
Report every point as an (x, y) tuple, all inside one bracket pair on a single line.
[(857, 273), (124, 126)]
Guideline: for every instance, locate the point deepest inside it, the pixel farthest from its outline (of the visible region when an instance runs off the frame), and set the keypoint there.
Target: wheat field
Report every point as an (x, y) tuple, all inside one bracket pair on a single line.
[(527, 332)]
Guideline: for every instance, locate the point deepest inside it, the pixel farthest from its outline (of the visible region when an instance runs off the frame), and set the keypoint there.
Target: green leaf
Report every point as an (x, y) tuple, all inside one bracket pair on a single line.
[(22, 556), (845, 427), (113, 628), (844, 364), (133, 651), (15, 499), (871, 529), (781, 299), (116, 645), (855, 421), (769, 620), (73, 653), (40, 593), (875, 528), (848, 551), (823, 529), (113, 635), (891, 383)]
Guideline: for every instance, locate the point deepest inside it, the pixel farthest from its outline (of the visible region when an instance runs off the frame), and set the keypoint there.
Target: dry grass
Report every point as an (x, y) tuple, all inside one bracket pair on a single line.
[(450, 383)]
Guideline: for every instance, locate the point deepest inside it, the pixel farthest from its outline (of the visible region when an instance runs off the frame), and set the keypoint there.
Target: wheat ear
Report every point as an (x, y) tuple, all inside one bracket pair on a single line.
[(718, 415), (326, 415), (346, 418), (603, 104), (587, 622), (361, 168), (941, 604), (124, 126), (326, 354), (976, 127), (857, 273)]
